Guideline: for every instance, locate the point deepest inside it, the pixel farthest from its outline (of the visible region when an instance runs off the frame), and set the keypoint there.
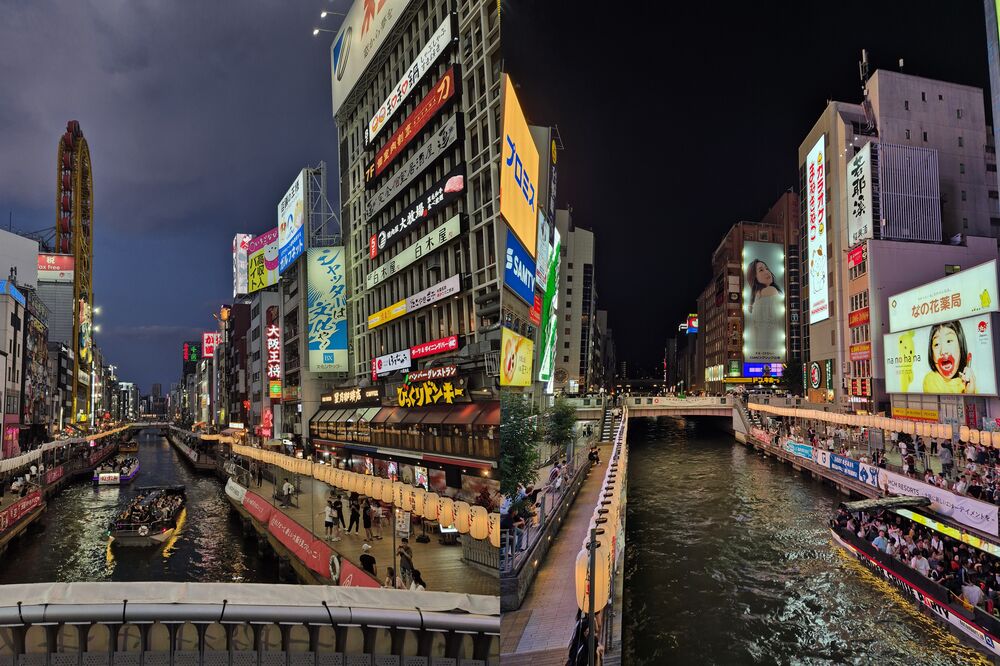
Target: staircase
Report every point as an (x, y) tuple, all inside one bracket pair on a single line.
[(607, 429)]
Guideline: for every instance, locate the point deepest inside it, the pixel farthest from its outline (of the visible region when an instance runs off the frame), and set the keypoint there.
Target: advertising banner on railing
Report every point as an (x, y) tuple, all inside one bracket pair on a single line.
[(19, 509), (257, 506), (352, 576), (800, 450), (760, 434), (54, 475), (300, 541), (871, 475), (823, 458), (845, 466), (235, 490), (966, 510)]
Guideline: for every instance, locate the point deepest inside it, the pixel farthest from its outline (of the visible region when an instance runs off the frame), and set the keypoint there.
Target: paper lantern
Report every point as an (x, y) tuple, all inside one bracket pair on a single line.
[(963, 433), (406, 497), (369, 487), (479, 523), (446, 512), (387, 491), (419, 495), (432, 508), (463, 517), (948, 433), (974, 436), (494, 522), (996, 439), (600, 586), (397, 493)]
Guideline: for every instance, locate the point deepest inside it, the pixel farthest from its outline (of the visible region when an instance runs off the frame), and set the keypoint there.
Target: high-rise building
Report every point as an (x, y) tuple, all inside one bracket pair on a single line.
[(577, 307)]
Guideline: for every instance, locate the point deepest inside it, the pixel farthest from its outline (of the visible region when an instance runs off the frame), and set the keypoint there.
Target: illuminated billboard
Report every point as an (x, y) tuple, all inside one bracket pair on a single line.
[(241, 243), (262, 261), (326, 302), (518, 171), (209, 341), (426, 245), (420, 211), (859, 193), (443, 92), (550, 323), (55, 267), (361, 34), (272, 342), (435, 46), (291, 220), (519, 269), (763, 302), (963, 294), (516, 357), (948, 357), (543, 250), (431, 294), (819, 305), (692, 323)]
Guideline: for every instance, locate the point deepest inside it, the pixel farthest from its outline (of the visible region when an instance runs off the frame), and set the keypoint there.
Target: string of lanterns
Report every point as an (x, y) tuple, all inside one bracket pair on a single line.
[(606, 521), (475, 521), (935, 430)]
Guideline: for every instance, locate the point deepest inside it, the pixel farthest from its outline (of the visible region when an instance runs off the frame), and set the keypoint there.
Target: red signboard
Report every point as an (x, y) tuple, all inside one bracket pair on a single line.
[(257, 506), (208, 343), (438, 346), (858, 317), (861, 352), (536, 311), (352, 576), (19, 509), (54, 475), (442, 92), (856, 256), (299, 540)]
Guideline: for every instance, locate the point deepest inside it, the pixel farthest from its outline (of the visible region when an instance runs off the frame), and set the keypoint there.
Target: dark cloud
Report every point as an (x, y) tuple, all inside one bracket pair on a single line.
[(198, 116)]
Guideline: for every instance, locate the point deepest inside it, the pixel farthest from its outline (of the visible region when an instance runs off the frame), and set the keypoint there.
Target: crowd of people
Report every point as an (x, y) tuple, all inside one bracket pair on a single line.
[(969, 574), (121, 464), (150, 508)]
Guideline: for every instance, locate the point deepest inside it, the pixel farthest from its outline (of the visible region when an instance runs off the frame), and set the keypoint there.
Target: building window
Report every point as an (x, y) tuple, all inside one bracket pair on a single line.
[(961, 167), (961, 142), (940, 97), (925, 136), (906, 104), (907, 135), (959, 113), (565, 345), (923, 96), (565, 359), (569, 291), (965, 223), (963, 195), (570, 265)]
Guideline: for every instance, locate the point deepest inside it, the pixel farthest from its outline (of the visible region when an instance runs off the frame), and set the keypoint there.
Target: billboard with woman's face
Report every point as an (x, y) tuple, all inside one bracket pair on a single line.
[(949, 357), (763, 302)]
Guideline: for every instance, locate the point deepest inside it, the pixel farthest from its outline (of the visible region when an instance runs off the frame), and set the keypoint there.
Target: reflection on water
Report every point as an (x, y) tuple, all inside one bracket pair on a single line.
[(72, 541), (729, 562)]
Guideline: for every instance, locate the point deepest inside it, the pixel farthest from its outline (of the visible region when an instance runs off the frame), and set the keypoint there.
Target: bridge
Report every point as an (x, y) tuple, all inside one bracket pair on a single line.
[(680, 407), (243, 624)]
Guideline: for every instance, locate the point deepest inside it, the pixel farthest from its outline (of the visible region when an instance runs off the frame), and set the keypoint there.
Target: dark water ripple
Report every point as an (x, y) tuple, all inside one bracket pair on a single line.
[(71, 542), (729, 562)]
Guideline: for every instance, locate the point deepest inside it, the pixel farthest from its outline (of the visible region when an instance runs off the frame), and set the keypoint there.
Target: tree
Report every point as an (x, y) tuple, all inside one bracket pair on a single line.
[(519, 455), (560, 424)]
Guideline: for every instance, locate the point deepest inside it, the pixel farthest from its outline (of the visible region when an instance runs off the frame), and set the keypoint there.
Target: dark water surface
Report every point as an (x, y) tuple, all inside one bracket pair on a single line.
[(728, 561), (71, 542)]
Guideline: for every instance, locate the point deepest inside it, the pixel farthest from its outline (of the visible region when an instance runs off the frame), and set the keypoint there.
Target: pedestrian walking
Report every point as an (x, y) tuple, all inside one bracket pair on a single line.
[(368, 560), (355, 517), (260, 475), (338, 512)]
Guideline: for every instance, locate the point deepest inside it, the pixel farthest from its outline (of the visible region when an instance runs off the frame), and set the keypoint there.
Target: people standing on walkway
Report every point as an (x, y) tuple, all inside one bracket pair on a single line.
[(338, 513), (405, 555), (355, 516), (378, 517), (328, 519), (368, 560), (366, 519), (947, 461), (286, 493)]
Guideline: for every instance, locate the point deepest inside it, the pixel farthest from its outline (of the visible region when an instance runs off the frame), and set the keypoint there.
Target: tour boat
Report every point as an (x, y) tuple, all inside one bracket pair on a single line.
[(976, 626), (117, 472), (129, 447), (151, 518)]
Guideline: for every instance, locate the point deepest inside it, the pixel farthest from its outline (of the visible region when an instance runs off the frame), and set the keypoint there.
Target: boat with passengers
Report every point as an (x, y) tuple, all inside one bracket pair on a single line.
[(952, 575), (151, 518), (118, 471)]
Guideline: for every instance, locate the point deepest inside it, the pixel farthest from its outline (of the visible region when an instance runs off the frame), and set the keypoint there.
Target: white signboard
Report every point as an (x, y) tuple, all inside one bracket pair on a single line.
[(428, 55), (428, 153), (442, 289), (964, 294), (235, 490), (400, 360), (942, 359), (240, 275), (427, 244), (543, 249), (403, 524), (108, 478), (291, 218), (859, 196), (363, 31), (965, 510), (819, 305)]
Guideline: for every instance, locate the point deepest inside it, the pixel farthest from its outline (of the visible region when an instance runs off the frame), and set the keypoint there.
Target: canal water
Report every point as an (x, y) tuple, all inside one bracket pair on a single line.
[(70, 543), (729, 562)]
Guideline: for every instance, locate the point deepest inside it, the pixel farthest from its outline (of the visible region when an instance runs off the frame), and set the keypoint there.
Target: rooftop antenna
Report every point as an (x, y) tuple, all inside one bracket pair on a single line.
[(864, 70)]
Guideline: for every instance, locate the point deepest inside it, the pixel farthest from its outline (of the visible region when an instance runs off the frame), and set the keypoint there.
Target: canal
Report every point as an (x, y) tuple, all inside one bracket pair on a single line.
[(70, 543), (729, 562)]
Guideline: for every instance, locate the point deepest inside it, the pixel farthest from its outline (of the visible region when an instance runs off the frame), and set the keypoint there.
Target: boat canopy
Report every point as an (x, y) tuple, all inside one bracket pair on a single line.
[(886, 503)]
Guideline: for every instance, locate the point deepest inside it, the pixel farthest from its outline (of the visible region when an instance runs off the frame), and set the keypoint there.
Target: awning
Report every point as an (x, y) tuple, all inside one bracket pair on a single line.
[(383, 414), (370, 413), (320, 416), (490, 416), (886, 503), (356, 415), (435, 415), (414, 416), (464, 415), (339, 415), (397, 415)]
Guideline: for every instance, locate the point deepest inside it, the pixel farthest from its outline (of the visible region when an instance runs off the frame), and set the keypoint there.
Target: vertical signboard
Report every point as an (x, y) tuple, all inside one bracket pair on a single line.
[(859, 194), (763, 302), (543, 247), (819, 306), (552, 183), (262, 261), (327, 306), (518, 171), (291, 220), (208, 343), (272, 348), (550, 303), (241, 243)]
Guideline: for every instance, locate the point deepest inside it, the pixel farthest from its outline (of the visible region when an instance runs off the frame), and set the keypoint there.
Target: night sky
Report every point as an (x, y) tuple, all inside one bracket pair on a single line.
[(198, 115), (678, 124)]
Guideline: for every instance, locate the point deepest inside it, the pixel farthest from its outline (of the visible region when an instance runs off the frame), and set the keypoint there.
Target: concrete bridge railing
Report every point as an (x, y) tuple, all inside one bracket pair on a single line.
[(239, 624)]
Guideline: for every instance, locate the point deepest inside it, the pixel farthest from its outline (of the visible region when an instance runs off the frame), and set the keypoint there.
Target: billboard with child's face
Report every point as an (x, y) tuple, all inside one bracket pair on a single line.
[(948, 357)]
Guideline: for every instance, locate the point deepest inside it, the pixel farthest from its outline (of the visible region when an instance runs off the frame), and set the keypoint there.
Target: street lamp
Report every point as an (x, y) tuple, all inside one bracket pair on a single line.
[(316, 31), (324, 14)]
